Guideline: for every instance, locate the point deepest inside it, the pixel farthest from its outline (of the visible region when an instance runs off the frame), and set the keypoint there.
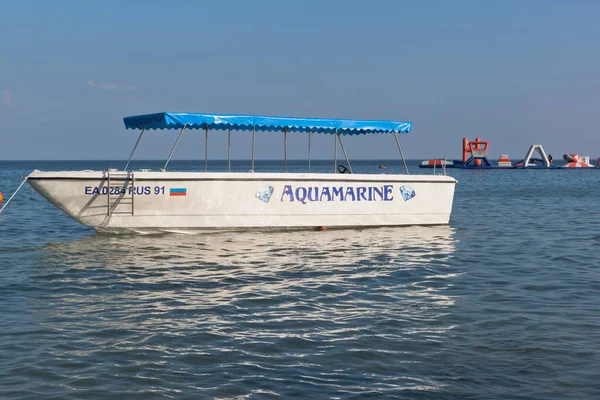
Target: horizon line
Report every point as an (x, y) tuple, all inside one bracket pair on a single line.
[(218, 159)]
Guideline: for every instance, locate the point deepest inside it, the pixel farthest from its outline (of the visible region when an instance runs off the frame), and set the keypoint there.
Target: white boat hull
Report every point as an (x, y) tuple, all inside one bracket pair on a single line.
[(183, 201)]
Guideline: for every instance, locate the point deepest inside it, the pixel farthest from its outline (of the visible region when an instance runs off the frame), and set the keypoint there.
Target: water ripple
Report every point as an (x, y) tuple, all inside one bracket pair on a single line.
[(501, 304)]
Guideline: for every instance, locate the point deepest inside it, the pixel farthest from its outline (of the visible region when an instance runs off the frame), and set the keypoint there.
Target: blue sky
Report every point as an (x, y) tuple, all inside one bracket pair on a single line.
[(512, 72)]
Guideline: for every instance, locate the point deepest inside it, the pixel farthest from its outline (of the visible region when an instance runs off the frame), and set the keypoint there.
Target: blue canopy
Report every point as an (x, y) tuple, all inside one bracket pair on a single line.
[(166, 120)]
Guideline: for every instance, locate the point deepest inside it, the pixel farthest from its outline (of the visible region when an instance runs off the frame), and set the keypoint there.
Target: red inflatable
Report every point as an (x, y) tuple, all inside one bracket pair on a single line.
[(572, 158), (575, 161)]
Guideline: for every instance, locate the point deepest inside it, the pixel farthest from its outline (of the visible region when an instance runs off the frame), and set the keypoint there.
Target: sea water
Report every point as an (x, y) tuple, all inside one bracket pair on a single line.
[(502, 303)]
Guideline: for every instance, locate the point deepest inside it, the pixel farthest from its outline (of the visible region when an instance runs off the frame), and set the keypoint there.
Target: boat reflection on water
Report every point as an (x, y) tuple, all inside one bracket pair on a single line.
[(223, 252), (333, 304), (233, 268)]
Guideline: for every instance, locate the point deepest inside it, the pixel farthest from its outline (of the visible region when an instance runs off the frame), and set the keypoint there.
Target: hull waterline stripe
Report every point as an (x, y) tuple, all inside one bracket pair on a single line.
[(151, 230)]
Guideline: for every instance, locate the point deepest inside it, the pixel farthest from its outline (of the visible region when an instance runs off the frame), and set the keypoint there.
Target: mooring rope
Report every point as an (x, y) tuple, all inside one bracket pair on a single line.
[(16, 191)]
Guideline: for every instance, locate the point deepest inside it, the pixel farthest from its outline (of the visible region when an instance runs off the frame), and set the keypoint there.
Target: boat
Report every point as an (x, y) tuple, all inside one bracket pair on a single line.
[(145, 201)]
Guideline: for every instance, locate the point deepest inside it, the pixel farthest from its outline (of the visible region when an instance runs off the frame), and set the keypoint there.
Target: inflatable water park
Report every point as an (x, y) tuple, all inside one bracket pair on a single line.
[(474, 156)]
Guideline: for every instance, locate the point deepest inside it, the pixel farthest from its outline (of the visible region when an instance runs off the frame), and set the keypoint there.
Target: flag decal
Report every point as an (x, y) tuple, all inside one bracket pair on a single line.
[(177, 191)]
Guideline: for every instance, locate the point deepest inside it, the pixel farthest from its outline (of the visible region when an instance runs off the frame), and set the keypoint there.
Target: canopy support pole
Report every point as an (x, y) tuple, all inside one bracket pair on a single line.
[(134, 147), (345, 155), (206, 149), (401, 154), (285, 148), (229, 148), (173, 149), (335, 152), (309, 150), (253, 136)]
